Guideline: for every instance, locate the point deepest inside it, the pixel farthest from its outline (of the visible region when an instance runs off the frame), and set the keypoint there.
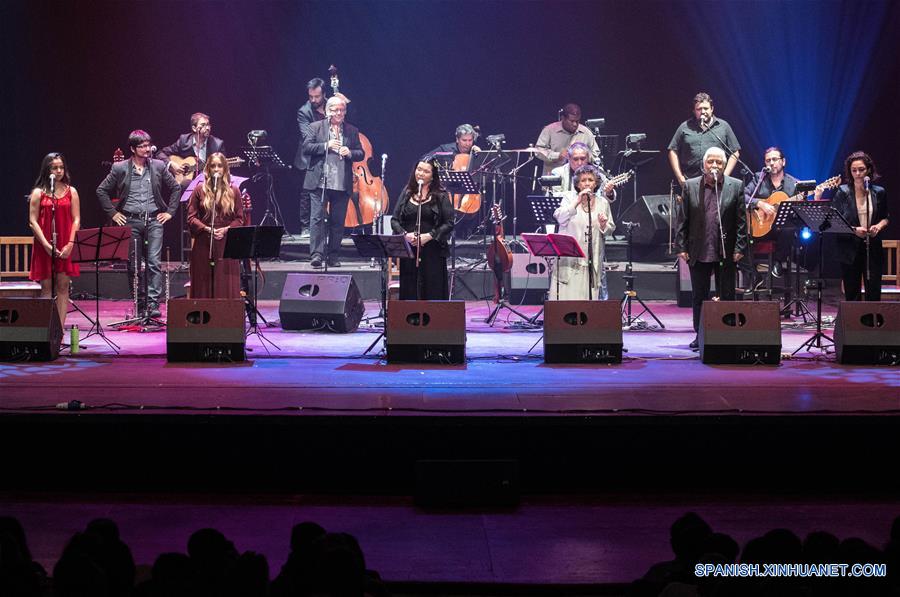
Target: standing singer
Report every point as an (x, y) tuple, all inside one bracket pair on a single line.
[(424, 208)]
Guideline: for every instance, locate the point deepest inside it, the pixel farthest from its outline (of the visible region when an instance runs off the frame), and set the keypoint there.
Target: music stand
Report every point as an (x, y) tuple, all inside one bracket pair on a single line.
[(458, 182), (785, 219), (382, 247), (547, 246), (254, 242), (540, 212), (824, 219), (265, 157), (107, 243)]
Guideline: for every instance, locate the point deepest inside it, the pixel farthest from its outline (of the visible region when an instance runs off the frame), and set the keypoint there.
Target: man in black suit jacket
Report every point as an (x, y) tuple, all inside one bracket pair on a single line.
[(199, 143), (310, 112), (332, 146), (148, 198), (712, 234)]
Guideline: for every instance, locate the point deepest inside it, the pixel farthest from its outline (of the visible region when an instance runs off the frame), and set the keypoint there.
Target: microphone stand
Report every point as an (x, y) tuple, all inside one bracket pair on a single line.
[(868, 235), (720, 279), (53, 289), (212, 238), (750, 262), (590, 242), (419, 202)]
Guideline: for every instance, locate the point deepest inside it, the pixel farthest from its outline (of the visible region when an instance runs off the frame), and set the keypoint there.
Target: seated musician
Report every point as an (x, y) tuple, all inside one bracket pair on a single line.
[(465, 144), (578, 155), (776, 179), (551, 144), (199, 144)]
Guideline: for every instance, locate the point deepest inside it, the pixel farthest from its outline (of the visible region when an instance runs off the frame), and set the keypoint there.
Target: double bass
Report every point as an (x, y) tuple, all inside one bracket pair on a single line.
[(369, 200)]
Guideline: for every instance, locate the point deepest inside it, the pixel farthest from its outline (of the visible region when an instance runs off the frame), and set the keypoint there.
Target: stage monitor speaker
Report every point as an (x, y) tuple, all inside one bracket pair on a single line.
[(320, 302), (582, 332), (651, 213), (426, 332), (739, 332), (867, 333), (29, 329), (205, 330), (529, 279)]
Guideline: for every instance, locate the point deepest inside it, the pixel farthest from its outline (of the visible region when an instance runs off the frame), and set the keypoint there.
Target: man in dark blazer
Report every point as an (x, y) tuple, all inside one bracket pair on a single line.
[(310, 112), (199, 143), (332, 146), (148, 198), (712, 234)]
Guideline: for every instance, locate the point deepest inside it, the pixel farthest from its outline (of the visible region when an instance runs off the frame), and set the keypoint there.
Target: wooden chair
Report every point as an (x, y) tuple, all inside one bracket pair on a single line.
[(15, 265), (891, 262)]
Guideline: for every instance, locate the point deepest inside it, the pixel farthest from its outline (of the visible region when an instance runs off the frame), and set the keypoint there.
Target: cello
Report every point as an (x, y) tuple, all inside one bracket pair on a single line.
[(499, 257), (369, 199), (469, 203)]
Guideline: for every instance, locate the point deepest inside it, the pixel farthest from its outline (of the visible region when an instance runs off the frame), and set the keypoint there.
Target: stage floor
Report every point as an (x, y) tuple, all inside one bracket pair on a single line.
[(320, 373)]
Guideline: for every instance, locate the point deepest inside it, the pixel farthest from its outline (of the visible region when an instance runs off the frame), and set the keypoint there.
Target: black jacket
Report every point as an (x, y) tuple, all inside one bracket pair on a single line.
[(444, 217), (314, 149), (118, 182), (731, 208), (306, 116), (184, 147), (844, 202)]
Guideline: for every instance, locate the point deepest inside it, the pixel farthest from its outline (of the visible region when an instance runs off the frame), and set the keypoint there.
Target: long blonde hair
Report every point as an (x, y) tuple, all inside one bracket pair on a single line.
[(224, 191)]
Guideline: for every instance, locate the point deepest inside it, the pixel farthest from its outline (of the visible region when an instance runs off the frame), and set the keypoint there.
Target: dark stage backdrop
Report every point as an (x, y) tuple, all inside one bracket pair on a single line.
[(78, 76)]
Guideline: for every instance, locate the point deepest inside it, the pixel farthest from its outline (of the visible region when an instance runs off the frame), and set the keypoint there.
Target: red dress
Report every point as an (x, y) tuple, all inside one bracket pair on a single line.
[(40, 260), (228, 271)]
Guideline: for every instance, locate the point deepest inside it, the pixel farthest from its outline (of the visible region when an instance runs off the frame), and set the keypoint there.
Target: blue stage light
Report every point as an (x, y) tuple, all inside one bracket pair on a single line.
[(790, 80), (805, 234)]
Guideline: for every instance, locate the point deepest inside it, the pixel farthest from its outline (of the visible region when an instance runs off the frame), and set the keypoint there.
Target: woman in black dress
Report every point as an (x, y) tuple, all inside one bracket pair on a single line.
[(864, 205), (423, 193)]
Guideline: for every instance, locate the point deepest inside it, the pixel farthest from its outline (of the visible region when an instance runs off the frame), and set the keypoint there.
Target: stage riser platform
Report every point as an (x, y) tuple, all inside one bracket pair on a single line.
[(115, 284), (378, 454)]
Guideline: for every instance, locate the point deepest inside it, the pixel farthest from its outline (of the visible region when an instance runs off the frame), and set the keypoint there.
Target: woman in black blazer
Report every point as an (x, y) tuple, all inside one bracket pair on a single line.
[(864, 205), (428, 280)]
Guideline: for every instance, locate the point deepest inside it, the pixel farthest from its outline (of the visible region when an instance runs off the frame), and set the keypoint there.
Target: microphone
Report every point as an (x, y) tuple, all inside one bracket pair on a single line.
[(71, 405), (704, 121), (53, 183), (152, 149), (866, 182), (714, 172), (215, 181), (767, 168), (421, 183)]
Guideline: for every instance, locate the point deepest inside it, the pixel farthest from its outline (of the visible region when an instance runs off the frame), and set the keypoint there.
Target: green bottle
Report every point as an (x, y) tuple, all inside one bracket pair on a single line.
[(73, 340)]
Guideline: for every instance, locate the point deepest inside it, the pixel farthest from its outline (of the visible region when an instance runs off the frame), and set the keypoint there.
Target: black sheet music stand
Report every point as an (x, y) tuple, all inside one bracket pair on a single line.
[(547, 246), (458, 182), (540, 211), (382, 247), (95, 245), (786, 219), (254, 242), (820, 217), (265, 157)]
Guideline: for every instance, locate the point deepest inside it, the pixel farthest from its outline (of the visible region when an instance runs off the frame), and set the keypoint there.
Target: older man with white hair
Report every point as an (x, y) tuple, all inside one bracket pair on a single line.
[(712, 234), (332, 146)]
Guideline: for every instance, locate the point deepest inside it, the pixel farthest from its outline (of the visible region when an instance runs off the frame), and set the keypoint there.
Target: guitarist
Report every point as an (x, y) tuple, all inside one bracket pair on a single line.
[(199, 143), (774, 178)]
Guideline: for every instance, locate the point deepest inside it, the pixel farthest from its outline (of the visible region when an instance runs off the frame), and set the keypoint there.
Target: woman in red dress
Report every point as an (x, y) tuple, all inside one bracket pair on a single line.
[(54, 200), (216, 191)]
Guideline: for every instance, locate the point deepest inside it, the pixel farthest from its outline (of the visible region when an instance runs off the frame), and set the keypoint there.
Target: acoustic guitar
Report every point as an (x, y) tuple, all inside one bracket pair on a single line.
[(191, 163), (761, 224)]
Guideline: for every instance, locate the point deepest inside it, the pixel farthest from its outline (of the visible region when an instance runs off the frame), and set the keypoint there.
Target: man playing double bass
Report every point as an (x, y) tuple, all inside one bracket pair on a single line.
[(464, 144)]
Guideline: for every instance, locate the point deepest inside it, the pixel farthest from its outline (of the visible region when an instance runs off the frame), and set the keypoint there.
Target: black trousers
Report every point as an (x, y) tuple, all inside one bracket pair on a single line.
[(853, 273), (700, 273), (337, 211), (431, 276)]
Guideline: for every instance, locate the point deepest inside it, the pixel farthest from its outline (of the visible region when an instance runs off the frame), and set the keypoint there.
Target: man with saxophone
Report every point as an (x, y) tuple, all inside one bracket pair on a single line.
[(332, 146)]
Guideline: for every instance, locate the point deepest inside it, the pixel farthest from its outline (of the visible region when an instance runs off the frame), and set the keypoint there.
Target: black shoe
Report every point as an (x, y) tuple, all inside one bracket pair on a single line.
[(777, 269), (153, 310), (334, 262), (316, 261), (695, 344)]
